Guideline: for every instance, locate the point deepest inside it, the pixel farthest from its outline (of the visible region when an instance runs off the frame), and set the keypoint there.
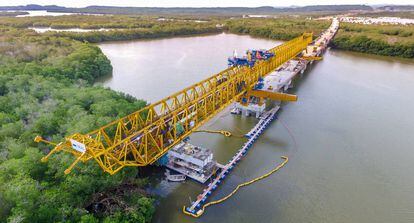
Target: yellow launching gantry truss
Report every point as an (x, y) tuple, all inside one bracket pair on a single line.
[(142, 137)]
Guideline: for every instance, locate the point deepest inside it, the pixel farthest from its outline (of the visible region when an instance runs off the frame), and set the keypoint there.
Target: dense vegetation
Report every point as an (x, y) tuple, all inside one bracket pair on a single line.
[(281, 29), (388, 40), (397, 7), (81, 21), (46, 89), (12, 14), (157, 31), (401, 14), (187, 11), (213, 10), (121, 27)]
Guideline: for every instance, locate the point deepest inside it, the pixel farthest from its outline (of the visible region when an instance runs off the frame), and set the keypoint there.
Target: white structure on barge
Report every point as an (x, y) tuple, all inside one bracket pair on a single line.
[(193, 161)]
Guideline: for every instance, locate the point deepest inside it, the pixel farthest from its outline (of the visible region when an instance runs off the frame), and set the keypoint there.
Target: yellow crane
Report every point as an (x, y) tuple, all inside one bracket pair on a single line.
[(142, 137)]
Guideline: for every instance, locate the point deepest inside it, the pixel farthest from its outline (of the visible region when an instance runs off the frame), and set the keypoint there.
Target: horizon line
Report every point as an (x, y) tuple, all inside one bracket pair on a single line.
[(292, 6)]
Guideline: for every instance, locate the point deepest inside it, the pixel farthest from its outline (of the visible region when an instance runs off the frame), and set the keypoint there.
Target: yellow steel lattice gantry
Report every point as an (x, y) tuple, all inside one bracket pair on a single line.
[(142, 137)]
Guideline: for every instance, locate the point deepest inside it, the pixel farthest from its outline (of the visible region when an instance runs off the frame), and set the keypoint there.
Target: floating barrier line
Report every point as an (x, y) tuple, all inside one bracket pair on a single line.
[(196, 206), (201, 211), (223, 132), (295, 143)]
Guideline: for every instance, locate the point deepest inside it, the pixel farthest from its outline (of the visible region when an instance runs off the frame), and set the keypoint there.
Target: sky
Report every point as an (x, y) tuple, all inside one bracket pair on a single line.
[(198, 3)]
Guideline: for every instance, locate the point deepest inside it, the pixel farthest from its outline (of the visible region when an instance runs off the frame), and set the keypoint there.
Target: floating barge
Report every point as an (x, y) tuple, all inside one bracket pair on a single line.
[(193, 161)]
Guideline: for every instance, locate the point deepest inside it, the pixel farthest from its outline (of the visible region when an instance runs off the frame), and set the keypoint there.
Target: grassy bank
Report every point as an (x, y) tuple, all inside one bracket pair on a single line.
[(144, 33), (402, 14), (94, 22), (11, 14), (279, 29), (387, 40), (120, 27)]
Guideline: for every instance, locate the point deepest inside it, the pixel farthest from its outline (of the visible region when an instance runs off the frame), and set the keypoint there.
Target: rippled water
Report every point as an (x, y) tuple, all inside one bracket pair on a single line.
[(349, 137)]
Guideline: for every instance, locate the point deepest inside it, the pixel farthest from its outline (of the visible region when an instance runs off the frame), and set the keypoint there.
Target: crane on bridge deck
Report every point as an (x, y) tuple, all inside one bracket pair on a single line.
[(144, 136)]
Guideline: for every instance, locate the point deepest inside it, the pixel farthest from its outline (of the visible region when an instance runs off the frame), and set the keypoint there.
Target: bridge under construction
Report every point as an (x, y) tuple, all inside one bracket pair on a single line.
[(143, 137), (278, 81)]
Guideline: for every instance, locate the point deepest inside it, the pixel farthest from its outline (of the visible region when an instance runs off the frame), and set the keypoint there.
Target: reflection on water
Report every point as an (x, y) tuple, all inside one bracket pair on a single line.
[(351, 151), (43, 13), (46, 13), (79, 30)]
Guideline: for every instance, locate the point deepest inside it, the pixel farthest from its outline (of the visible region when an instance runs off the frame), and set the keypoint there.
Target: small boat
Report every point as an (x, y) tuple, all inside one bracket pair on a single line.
[(235, 111), (174, 177)]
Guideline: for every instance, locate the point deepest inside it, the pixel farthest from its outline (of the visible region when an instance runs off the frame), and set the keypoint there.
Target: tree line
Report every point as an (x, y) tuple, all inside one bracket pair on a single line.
[(365, 44), (131, 34), (46, 88), (275, 28), (387, 40)]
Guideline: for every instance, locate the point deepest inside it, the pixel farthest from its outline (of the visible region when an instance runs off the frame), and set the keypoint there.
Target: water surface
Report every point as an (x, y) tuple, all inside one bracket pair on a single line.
[(154, 69), (349, 137), (43, 13), (78, 30), (47, 13)]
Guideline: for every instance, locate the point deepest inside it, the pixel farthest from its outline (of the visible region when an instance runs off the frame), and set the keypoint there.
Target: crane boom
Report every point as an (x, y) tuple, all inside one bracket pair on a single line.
[(144, 136)]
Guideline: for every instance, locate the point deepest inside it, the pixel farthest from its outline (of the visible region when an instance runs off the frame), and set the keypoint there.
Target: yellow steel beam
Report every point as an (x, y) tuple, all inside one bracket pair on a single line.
[(311, 58), (272, 95), (142, 137)]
